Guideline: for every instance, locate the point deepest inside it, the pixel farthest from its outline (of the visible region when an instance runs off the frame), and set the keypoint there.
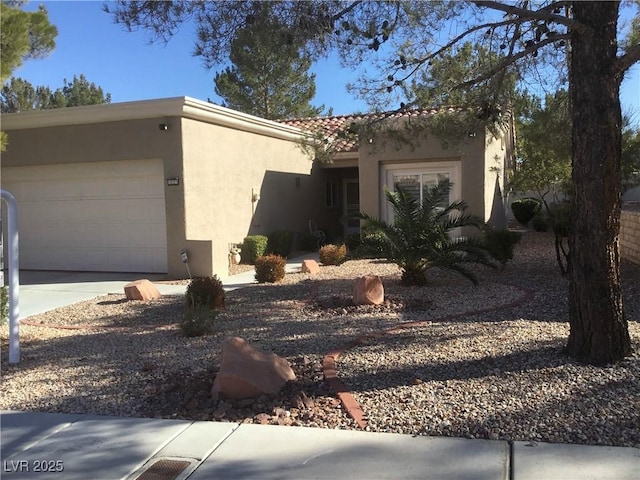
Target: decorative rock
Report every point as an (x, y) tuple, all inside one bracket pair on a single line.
[(310, 266), (141, 290), (263, 418), (247, 372), (368, 290)]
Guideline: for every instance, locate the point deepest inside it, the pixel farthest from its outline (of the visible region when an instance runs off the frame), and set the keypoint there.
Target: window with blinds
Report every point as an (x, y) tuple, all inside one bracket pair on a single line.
[(419, 184), (417, 179)]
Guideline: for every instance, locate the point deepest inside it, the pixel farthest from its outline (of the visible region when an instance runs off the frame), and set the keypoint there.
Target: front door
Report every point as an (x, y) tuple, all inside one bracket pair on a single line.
[(351, 206)]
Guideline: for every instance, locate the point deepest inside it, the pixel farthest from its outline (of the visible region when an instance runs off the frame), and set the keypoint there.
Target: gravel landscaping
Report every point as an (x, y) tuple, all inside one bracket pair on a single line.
[(485, 362)]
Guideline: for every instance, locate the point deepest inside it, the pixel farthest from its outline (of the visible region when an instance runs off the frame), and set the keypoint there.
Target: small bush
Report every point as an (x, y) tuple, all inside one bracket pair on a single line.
[(540, 222), (372, 245), (333, 254), (4, 304), (205, 291), (525, 209), (253, 246), (198, 320), (280, 243), (353, 241), (270, 268), (500, 244)]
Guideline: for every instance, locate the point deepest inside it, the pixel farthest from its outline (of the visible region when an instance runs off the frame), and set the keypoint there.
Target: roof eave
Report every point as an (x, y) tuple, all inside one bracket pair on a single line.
[(184, 107)]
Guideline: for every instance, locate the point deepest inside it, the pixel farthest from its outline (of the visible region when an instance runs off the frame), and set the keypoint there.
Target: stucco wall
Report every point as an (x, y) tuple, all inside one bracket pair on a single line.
[(110, 141), (223, 168), (469, 157), (122, 140), (497, 154), (630, 234)]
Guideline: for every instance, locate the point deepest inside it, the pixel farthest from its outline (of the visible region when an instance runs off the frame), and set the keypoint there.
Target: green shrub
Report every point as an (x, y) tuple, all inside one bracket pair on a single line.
[(280, 243), (525, 209), (500, 244), (371, 245), (353, 241), (253, 246), (333, 254), (198, 320), (205, 291), (540, 222), (4, 304), (270, 268)]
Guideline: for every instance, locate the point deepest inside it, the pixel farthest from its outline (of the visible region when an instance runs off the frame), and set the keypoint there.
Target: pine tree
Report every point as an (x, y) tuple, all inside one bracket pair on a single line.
[(270, 76), (21, 96), (23, 35)]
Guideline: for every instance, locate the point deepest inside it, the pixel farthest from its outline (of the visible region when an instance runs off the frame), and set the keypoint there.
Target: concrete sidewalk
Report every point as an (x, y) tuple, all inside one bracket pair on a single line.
[(103, 448)]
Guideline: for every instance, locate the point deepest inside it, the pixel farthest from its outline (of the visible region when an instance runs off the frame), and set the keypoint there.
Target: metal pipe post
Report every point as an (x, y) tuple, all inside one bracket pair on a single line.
[(14, 276)]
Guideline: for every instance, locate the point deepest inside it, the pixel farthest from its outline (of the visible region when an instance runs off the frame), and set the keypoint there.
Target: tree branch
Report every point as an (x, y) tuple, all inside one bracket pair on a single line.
[(631, 56), (542, 14), (510, 60), (345, 10), (512, 45), (419, 62)]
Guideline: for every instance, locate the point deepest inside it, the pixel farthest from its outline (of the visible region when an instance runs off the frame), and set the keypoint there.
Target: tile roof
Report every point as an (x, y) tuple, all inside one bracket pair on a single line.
[(339, 129)]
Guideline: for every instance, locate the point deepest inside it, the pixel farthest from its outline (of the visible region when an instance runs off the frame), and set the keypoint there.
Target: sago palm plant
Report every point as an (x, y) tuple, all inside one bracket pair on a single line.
[(419, 237)]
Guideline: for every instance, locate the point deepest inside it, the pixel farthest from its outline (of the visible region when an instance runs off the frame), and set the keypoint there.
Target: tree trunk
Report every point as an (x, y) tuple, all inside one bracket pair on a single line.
[(598, 329)]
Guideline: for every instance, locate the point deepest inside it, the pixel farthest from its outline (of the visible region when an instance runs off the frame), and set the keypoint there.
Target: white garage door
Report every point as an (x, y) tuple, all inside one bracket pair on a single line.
[(105, 216)]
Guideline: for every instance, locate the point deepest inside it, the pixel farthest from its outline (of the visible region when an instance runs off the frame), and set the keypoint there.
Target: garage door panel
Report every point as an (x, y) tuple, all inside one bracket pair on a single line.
[(140, 258), (105, 216), (150, 238)]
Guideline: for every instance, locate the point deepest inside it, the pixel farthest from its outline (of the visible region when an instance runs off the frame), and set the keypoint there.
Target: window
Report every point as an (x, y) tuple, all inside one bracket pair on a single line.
[(331, 194), (417, 178), (418, 184)]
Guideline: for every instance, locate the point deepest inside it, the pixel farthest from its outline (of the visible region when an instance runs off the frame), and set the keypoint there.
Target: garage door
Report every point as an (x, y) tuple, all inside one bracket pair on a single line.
[(106, 216)]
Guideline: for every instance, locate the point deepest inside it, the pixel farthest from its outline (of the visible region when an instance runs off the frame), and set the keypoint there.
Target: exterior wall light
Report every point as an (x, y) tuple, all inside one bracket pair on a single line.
[(173, 181), (163, 127)]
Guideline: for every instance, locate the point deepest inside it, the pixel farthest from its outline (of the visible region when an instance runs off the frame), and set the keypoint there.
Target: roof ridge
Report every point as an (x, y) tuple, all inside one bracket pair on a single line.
[(375, 113)]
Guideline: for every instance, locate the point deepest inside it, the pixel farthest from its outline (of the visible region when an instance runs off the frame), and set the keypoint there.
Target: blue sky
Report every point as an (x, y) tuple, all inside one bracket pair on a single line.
[(129, 68)]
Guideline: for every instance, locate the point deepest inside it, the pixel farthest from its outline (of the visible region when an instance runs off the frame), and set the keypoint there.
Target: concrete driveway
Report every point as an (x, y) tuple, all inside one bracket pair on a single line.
[(41, 291)]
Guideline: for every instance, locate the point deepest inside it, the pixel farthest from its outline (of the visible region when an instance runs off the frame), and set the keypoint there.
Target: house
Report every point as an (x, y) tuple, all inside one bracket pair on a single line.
[(130, 186), (372, 151)]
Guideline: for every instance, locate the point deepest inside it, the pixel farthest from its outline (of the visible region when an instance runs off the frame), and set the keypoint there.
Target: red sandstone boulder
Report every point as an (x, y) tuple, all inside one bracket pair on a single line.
[(141, 290), (247, 372), (368, 290), (310, 266)]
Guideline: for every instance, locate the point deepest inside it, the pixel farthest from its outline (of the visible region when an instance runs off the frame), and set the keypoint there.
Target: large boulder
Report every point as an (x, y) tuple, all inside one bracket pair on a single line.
[(310, 266), (247, 372), (141, 290), (368, 290)]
